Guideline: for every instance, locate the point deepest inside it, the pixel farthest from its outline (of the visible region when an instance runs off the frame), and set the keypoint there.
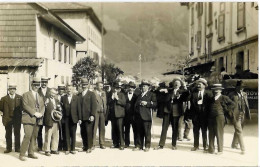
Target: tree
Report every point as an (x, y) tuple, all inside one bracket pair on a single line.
[(86, 68), (110, 72)]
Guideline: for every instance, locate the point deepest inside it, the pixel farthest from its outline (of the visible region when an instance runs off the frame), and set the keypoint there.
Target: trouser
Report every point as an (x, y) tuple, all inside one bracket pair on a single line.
[(181, 126), (62, 141), (87, 134), (99, 124), (143, 132), (70, 134), (8, 135), (117, 132), (167, 119), (216, 129), (238, 134), (29, 140), (39, 137), (128, 121), (200, 123), (51, 137), (188, 127)]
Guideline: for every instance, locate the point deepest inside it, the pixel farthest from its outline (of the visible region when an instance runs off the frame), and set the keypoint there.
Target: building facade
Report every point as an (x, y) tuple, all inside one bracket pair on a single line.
[(224, 34), (35, 42)]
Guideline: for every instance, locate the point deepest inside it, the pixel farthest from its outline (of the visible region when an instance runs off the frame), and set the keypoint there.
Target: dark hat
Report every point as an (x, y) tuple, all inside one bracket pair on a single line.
[(84, 81), (238, 67), (202, 80), (56, 115), (162, 84), (239, 83), (36, 81), (44, 79), (116, 85), (176, 79), (12, 86), (61, 87), (131, 84), (217, 86), (145, 82)]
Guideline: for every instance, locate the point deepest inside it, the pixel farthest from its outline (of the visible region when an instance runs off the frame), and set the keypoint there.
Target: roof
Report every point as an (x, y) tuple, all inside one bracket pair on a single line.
[(76, 7), (52, 18), (20, 62)]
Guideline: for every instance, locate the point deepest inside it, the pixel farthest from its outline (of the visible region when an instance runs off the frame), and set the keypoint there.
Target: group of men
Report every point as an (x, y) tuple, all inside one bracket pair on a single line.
[(179, 104)]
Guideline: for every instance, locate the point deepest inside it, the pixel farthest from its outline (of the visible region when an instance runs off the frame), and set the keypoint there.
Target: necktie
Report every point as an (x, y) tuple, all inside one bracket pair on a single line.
[(200, 96), (37, 101)]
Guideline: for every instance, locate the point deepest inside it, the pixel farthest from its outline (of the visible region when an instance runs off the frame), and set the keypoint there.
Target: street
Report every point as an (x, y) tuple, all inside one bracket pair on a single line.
[(166, 157)]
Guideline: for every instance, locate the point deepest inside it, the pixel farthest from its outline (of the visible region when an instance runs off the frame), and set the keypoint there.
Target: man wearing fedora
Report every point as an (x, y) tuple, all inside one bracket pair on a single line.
[(144, 104), (44, 91), (32, 117), (69, 103), (12, 117), (199, 112), (117, 117), (219, 106), (241, 111), (51, 119), (87, 108), (61, 93)]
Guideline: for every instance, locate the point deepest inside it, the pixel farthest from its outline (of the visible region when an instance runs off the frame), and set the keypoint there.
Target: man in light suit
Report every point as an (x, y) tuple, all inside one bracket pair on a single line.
[(100, 115), (32, 117), (12, 117), (241, 111), (87, 106), (143, 116)]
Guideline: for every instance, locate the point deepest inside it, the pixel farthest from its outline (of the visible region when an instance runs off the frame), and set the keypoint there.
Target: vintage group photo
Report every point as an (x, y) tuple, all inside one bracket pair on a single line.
[(129, 83)]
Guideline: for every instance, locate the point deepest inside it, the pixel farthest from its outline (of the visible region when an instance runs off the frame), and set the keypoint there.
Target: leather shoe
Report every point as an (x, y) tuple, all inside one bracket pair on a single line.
[(113, 146), (102, 147), (93, 148), (158, 148), (126, 146), (47, 153), (194, 148), (73, 152), (39, 149), (174, 148), (146, 149), (32, 156), (235, 147), (67, 152), (22, 158), (55, 152), (18, 150), (88, 151), (136, 149), (243, 152), (83, 149), (121, 148), (219, 153), (7, 151)]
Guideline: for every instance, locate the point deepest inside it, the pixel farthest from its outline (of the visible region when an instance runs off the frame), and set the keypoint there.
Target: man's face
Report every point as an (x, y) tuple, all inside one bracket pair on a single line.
[(117, 89), (12, 91), (131, 89), (176, 84), (217, 92), (99, 86), (44, 84), (61, 91), (84, 87), (145, 88), (35, 87), (200, 86), (70, 90), (53, 93)]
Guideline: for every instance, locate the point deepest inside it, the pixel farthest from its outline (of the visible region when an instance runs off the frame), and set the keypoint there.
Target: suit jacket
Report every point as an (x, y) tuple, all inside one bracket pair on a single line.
[(29, 106), (48, 93), (47, 119), (87, 105), (16, 114), (145, 111), (234, 97), (130, 105), (70, 109), (179, 101), (118, 106), (101, 102)]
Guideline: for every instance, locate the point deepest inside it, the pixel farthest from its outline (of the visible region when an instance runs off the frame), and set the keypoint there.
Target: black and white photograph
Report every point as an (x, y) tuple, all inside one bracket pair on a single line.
[(129, 83)]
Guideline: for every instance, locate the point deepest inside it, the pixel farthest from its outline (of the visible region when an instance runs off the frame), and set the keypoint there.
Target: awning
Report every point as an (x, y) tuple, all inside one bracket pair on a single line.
[(200, 69), (174, 72), (20, 62)]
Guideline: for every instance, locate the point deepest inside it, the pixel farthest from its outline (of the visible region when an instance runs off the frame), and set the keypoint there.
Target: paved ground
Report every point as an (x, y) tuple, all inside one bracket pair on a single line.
[(166, 157)]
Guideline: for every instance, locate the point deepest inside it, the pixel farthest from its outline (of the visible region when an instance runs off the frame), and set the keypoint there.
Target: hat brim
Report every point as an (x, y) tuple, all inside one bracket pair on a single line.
[(55, 118), (220, 88), (201, 82)]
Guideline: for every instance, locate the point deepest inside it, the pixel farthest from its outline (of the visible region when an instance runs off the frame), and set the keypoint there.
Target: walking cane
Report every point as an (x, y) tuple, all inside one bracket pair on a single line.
[(152, 123)]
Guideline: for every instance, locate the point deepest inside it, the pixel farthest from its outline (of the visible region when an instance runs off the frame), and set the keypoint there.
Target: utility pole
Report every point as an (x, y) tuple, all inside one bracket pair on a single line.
[(140, 61)]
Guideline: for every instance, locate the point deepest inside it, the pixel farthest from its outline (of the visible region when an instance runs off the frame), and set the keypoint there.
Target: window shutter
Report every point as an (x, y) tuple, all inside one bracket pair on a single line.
[(240, 15), (192, 43), (210, 13), (198, 39), (221, 26)]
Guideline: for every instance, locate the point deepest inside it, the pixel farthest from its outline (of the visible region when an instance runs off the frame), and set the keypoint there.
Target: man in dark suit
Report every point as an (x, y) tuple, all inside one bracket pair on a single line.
[(51, 139), (117, 117), (100, 115), (44, 91), (62, 142), (131, 97), (143, 116), (172, 113), (87, 108), (12, 117), (240, 111), (199, 112), (33, 112), (69, 103)]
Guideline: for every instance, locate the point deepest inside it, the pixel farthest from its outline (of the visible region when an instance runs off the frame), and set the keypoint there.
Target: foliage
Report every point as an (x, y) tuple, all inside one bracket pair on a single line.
[(110, 72)]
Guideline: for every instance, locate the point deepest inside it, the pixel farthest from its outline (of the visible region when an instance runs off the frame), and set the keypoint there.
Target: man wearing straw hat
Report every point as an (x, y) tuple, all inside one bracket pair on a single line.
[(12, 116), (33, 112)]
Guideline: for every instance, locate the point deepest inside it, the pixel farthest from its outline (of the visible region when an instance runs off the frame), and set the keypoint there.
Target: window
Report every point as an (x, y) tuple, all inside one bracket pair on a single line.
[(199, 40), (209, 48), (65, 53), (192, 16), (199, 9), (222, 7), (62, 79), (191, 45), (210, 13), (69, 55), (54, 48), (216, 24), (252, 4), (221, 27), (240, 59), (240, 15), (60, 51)]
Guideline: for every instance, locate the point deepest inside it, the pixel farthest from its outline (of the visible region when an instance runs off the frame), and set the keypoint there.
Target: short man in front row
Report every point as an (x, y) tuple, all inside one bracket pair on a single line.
[(241, 112), (87, 106), (100, 115), (144, 104), (12, 116), (33, 112), (199, 109), (69, 103), (51, 123)]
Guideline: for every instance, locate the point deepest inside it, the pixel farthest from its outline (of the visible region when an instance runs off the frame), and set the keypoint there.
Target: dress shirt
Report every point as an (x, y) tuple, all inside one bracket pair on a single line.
[(44, 90), (216, 97), (69, 98), (12, 96), (200, 94), (130, 95)]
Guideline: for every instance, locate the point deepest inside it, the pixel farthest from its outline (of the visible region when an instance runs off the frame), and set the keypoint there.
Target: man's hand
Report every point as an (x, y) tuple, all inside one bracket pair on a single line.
[(79, 121), (38, 115), (91, 118), (143, 103)]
